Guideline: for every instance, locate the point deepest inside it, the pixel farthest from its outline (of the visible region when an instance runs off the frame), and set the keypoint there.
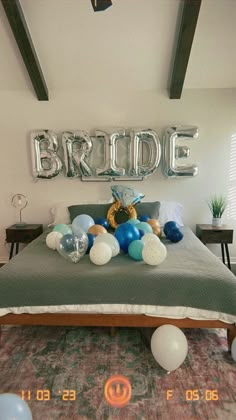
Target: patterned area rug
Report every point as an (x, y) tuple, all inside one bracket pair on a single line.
[(62, 372)]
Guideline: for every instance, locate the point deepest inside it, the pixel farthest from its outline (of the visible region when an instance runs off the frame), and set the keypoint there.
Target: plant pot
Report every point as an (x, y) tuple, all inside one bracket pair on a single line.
[(216, 221)]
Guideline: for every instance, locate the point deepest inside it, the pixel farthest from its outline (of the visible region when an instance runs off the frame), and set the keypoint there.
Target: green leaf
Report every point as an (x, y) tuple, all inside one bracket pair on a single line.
[(217, 205)]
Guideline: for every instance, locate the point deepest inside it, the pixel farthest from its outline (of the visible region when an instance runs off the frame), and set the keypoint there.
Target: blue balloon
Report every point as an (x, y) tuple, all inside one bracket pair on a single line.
[(91, 238), (83, 221), (125, 234), (102, 221), (144, 218), (169, 226), (135, 250), (174, 235), (13, 407)]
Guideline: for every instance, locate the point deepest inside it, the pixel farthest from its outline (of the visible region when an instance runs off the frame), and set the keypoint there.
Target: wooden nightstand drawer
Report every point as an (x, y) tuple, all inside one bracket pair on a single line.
[(211, 235), (24, 234), (222, 235), (216, 236)]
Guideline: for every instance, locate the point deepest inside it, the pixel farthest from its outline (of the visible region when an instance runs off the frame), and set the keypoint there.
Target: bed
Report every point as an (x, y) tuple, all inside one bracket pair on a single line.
[(190, 289)]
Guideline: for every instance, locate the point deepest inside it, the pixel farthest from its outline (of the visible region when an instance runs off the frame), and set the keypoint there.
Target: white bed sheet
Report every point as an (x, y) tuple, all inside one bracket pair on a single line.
[(176, 312)]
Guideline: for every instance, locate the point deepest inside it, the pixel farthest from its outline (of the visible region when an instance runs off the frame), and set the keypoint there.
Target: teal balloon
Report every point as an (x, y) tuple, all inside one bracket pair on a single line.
[(133, 221), (144, 226), (135, 250), (64, 229), (13, 407)]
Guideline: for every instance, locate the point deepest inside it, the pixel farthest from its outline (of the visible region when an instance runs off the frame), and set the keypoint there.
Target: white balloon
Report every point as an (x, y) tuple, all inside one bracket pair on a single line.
[(150, 237), (110, 240), (52, 239), (12, 407), (233, 349), (169, 347), (100, 253), (154, 253)]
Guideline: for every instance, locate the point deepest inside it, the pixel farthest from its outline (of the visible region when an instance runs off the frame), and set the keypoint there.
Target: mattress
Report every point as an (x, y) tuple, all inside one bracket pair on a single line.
[(191, 282)]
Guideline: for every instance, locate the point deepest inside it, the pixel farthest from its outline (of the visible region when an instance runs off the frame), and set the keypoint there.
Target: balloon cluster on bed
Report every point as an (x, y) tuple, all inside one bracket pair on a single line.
[(139, 238)]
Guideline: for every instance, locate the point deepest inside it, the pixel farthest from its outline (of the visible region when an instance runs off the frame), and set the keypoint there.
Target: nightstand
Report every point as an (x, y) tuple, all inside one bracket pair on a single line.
[(223, 235), (25, 234)]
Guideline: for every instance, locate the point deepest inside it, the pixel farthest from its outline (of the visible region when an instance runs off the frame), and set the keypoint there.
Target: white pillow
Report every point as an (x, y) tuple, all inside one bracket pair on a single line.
[(171, 210)]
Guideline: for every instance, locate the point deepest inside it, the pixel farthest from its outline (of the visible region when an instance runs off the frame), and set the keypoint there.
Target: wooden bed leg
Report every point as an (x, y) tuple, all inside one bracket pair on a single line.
[(231, 334), (113, 331)]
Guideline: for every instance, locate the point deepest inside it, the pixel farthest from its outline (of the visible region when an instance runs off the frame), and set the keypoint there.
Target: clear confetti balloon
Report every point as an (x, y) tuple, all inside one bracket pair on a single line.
[(73, 247)]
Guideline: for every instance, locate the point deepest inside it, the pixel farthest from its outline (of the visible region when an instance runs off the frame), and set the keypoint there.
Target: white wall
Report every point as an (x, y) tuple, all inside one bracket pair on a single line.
[(213, 111)]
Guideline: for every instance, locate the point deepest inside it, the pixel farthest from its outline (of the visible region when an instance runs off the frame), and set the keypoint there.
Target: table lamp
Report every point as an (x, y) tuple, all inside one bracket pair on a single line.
[(19, 202)]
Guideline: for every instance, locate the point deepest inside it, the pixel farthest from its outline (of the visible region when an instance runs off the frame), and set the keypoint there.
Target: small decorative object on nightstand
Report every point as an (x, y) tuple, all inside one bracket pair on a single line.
[(217, 206), (223, 235), (25, 234), (19, 202)]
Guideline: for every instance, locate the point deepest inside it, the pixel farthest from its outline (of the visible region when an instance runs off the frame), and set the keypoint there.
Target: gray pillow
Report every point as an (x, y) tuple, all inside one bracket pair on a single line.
[(100, 210), (93, 210), (151, 209)]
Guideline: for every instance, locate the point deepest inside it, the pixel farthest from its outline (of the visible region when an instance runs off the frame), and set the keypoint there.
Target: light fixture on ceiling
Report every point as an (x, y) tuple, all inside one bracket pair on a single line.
[(100, 5), (19, 202)]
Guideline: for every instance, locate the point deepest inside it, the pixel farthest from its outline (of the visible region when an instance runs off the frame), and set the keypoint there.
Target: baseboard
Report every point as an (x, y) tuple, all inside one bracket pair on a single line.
[(4, 260)]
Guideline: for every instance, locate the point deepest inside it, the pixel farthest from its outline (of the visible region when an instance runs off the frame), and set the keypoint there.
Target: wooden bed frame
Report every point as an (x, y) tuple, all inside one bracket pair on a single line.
[(113, 320)]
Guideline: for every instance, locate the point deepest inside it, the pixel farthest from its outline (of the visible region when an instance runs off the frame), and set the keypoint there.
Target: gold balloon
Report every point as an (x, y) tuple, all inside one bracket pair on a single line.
[(97, 229), (115, 207), (155, 226)]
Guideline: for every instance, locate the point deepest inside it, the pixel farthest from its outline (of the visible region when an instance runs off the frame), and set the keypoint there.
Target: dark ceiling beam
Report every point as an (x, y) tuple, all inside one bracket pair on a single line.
[(100, 5), (184, 44), (22, 36)]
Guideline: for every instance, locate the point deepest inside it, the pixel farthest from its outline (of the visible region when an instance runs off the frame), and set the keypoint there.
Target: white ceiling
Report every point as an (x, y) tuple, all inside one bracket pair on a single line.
[(129, 43)]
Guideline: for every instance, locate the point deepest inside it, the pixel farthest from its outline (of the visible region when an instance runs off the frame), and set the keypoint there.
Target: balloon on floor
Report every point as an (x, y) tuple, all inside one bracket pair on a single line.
[(169, 347), (12, 407)]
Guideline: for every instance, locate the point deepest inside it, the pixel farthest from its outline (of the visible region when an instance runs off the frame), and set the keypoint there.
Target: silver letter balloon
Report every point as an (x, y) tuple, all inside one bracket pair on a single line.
[(46, 162), (77, 146), (173, 152), (110, 167), (151, 139)]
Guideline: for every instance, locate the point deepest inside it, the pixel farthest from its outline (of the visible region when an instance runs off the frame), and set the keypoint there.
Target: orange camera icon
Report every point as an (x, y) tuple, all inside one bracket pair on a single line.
[(117, 391)]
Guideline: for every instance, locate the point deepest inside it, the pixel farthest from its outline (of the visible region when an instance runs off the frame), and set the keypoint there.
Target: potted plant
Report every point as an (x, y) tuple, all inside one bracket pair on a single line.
[(217, 206)]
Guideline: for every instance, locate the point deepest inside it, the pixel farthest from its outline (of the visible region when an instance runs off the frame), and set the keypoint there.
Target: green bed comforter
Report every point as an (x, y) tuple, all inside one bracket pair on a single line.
[(190, 276)]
